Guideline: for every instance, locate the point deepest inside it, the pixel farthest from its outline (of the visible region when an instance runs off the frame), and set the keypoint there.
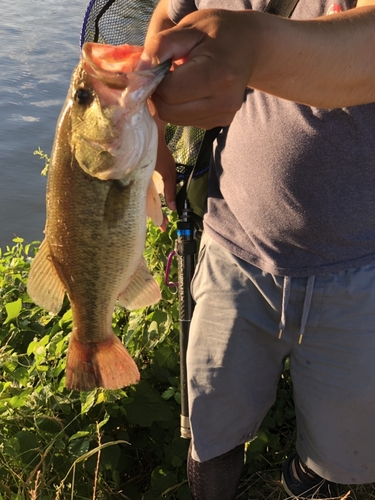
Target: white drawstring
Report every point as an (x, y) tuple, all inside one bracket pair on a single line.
[(284, 304), (306, 305)]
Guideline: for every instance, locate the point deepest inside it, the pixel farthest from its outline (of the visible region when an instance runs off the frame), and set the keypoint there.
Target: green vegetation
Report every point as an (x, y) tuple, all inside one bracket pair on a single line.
[(96, 444), (104, 445)]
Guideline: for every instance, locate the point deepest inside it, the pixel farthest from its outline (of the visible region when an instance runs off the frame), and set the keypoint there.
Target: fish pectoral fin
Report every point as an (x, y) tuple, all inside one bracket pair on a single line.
[(158, 181), (153, 202), (143, 290), (44, 285)]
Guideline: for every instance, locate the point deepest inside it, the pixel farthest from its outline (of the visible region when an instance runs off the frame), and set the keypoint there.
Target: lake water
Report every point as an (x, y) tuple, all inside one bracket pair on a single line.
[(39, 47)]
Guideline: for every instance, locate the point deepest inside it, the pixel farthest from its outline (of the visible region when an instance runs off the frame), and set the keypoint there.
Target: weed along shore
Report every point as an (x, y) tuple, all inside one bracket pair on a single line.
[(123, 444)]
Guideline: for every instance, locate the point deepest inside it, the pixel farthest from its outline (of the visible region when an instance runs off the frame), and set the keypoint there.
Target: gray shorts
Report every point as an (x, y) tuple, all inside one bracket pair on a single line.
[(235, 359)]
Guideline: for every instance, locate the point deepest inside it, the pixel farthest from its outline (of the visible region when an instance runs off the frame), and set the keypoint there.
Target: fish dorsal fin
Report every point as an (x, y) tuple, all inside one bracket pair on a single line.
[(153, 202), (143, 290), (44, 285)]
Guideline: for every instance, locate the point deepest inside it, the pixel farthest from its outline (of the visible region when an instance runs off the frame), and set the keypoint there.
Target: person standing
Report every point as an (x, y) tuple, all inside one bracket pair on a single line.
[(287, 261)]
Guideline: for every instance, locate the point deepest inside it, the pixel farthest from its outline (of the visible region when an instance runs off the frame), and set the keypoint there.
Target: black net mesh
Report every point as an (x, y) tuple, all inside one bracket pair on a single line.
[(125, 21), (184, 144), (117, 21)]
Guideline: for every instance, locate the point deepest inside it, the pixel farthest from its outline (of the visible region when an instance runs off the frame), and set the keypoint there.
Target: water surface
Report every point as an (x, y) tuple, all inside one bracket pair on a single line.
[(39, 47)]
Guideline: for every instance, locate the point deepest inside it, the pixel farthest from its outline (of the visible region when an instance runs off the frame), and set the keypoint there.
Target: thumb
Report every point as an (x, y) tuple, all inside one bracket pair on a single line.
[(174, 43)]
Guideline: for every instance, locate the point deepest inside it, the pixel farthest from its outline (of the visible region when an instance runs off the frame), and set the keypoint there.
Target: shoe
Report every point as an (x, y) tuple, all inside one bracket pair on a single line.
[(302, 483)]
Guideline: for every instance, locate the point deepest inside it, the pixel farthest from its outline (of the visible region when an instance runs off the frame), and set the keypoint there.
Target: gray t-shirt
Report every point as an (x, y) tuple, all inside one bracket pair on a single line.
[(292, 187)]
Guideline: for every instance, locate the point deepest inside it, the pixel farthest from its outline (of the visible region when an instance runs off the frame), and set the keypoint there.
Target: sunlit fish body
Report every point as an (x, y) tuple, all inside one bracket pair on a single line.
[(101, 188)]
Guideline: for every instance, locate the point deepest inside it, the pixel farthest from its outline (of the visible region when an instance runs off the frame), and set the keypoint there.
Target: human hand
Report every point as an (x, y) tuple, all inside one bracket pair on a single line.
[(212, 57)]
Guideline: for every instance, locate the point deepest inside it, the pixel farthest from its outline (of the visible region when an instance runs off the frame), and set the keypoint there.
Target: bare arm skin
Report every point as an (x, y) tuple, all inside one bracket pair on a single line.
[(326, 62)]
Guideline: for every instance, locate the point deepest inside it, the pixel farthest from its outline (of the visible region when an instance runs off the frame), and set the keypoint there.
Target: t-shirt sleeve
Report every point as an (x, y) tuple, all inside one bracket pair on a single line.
[(178, 9)]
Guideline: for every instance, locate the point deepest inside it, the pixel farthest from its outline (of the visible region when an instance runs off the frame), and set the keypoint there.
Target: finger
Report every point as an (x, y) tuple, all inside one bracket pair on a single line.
[(196, 79), (202, 113), (174, 43), (203, 86)]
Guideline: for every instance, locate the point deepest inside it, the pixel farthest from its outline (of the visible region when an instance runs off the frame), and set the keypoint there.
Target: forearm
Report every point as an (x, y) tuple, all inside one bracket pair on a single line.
[(327, 62)]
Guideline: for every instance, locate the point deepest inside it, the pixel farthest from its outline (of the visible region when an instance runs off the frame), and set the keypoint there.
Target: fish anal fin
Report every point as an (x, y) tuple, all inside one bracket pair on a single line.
[(143, 290), (153, 202), (44, 285), (103, 364)]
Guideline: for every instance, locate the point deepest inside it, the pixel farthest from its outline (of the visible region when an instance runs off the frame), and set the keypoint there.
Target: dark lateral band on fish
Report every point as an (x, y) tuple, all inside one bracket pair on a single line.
[(101, 188)]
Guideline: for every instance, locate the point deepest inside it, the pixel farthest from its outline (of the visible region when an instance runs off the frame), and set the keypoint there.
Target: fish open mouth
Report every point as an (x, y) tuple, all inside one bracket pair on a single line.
[(115, 66), (110, 64)]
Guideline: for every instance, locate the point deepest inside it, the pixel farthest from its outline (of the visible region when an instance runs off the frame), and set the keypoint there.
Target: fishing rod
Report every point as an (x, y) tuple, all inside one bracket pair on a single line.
[(189, 230), (186, 249)]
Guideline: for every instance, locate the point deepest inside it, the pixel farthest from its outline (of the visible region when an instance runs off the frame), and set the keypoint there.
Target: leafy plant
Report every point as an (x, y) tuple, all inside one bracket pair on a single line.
[(57, 444), (120, 444)]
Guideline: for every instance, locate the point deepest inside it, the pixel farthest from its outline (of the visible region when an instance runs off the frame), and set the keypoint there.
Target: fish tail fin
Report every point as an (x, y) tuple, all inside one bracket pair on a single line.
[(103, 364)]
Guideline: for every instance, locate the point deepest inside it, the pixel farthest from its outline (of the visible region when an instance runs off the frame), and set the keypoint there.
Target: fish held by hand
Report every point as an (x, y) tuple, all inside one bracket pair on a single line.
[(101, 188)]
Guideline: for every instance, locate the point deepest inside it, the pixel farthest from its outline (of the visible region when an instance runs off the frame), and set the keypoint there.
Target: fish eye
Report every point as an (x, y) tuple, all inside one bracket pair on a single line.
[(83, 96)]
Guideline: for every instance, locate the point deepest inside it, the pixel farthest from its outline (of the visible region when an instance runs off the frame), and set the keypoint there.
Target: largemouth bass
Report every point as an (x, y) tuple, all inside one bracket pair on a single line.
[(101, 188)]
